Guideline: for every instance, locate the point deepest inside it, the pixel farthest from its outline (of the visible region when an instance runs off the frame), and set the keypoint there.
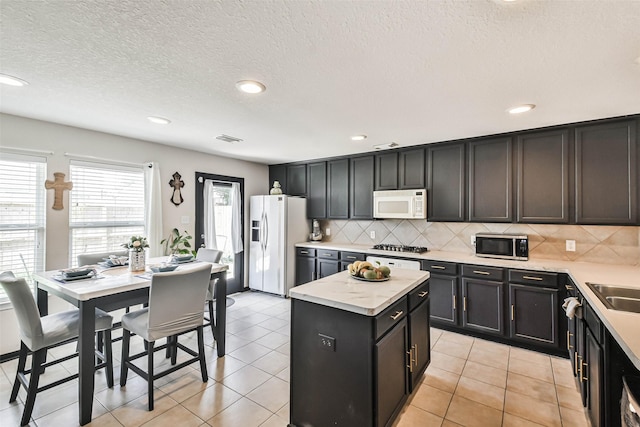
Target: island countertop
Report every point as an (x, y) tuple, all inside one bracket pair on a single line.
[(342, 291)]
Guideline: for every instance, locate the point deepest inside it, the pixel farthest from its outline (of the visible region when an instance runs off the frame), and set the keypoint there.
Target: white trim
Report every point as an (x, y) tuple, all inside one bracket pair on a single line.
[(105, 161), (26, 151)]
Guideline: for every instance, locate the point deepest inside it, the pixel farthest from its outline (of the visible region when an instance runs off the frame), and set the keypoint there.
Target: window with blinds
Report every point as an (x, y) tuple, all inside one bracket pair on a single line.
[(106, 207), (22, 215)]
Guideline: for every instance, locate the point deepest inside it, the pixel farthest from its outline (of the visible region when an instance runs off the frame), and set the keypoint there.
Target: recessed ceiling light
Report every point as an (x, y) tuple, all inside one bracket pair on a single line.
[(358, 137), (12, 81), (250, 86), (159, 120), (521, 108)]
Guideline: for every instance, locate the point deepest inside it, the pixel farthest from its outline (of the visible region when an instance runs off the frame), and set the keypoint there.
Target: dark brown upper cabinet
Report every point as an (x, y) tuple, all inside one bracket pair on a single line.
[(297, 180), (490, 180), (317, 190), (278, 173), (386, 171), (411, 169), (542, 176), (338, 189), (447, 186), (361, 187), (606, 173)]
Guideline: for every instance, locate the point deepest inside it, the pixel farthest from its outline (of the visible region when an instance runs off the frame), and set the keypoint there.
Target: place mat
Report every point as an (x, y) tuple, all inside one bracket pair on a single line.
[(61, 279)]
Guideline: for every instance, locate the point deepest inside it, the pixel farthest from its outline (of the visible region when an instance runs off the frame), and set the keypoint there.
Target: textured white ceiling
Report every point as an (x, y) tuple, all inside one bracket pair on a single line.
[(412, 72)]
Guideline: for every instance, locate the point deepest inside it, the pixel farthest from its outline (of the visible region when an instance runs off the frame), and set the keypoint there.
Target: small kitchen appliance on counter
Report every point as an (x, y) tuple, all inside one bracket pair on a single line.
[(316, 235), (505, 246)]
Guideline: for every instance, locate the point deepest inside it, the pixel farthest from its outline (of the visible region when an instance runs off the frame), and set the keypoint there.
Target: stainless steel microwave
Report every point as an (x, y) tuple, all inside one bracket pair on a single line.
[(507, 246), (408, 204)]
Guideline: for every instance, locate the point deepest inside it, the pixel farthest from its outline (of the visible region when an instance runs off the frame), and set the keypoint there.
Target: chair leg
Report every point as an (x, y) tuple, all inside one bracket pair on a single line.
[(108, 355), (22, 361), (213, 321), (38, 358), (126, 336), (203, 361), (167, 352), (150, 374), (174, 349)]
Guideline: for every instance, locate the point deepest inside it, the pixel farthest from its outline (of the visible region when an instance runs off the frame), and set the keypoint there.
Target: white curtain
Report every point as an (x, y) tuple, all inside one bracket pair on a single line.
[(209, 216), (236, 223), (153, 208)]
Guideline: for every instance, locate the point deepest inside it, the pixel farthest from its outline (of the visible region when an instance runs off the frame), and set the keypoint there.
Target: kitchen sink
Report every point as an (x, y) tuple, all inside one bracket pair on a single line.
[(617, 297)]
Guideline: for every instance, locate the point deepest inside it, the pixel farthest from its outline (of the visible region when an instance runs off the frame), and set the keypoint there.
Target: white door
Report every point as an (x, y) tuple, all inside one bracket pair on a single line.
[(256, 247)]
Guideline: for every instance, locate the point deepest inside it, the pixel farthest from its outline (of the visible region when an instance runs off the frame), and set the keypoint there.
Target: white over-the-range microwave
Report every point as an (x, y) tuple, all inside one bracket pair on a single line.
[(404, 204)]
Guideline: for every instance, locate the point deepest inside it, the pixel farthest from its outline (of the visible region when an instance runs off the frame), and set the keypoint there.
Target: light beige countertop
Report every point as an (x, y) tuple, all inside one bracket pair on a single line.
[(623, 326), (342, 291)]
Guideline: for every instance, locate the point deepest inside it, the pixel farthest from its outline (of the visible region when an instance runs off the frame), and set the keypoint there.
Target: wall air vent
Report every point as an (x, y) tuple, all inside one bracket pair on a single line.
[(386, 146), (227, 138)]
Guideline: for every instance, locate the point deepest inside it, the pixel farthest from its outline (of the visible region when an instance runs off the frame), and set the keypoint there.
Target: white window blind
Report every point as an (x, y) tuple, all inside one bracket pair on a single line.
[(107, 207), (22, 215)]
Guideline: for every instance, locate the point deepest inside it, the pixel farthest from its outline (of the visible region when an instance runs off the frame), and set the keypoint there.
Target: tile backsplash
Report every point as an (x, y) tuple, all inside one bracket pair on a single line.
[(594, 243)]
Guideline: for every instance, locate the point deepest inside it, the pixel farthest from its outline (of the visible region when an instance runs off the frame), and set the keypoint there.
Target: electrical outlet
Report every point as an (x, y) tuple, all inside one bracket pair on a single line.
[(327, 231), (473, 240), (570, 245), (327, 343), (372, 234), (185, 219)]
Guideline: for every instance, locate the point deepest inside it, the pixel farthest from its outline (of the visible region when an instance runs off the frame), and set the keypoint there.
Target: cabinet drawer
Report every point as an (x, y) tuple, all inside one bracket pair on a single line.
[(305, 252), (593, 322), (439, 267), (418, 295), (388, 318), (548, 280), (352, 256), (326, 254), (482, 272)]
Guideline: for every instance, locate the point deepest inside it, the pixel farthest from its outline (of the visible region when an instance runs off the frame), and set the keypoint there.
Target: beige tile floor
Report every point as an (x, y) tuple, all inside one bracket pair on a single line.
[(470, 382)]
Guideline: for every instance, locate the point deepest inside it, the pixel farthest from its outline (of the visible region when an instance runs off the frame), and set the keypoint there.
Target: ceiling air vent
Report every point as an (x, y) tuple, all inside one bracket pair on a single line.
[(386, 146), (227, 138)]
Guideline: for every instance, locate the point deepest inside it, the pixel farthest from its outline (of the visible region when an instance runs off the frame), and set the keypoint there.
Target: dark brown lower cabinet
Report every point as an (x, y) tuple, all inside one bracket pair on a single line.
[(482, 302), (349, 369), (534, 314), (444, 292)]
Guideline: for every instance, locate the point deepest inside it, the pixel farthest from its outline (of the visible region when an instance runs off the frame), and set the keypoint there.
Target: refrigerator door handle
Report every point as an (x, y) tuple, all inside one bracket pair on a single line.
[(266, 230), (262, 221)]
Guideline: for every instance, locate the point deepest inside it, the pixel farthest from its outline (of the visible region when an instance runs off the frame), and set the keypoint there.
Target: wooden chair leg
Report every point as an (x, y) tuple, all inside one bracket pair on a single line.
[(203, 361), (150, 374), (126, 336), (22, 361), (108, 355), (37, 359)]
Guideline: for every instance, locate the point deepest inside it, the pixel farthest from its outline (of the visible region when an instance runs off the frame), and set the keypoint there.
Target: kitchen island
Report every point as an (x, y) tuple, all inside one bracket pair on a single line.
[(357, 348)]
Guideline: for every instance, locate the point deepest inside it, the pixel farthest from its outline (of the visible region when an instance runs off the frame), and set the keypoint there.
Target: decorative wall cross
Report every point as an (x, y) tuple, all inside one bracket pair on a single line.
[(177, 183), (58, 186)]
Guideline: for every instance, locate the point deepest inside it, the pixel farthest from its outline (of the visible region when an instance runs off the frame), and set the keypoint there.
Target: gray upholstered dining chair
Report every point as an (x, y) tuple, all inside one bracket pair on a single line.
[(175, 307), (214, 256), (96, 257), (38, 334)]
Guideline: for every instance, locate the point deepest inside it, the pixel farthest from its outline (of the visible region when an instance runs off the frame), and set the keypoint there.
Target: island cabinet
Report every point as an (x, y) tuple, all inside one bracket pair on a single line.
[(482, 299), (534, 308), (351, 366)]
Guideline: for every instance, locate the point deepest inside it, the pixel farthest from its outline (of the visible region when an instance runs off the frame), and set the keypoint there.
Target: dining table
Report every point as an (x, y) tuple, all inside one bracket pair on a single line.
[(113, 288)]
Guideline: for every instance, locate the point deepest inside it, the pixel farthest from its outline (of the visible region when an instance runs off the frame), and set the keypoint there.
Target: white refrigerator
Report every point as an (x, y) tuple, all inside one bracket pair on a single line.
[(277, 223)]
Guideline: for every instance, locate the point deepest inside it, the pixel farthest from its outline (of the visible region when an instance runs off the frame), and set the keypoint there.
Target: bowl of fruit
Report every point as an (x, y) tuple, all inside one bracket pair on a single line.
[(365, 271)]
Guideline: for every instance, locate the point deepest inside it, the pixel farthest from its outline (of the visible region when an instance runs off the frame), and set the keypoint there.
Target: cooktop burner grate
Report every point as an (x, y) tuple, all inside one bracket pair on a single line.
[(400, 248)]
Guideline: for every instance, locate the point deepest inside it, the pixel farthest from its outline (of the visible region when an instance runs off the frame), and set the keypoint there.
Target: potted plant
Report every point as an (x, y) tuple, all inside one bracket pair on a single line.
[(177, 243)]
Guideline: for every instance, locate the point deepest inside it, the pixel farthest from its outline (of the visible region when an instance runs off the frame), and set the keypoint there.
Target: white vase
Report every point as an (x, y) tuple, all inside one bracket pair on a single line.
[(137, 260)]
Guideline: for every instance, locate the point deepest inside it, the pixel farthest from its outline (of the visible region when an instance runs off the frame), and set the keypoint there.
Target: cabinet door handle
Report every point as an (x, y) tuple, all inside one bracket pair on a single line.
[(304, 252), (583, 367), (464, 303), (438, 267), (350, 257), (454, 302), (397, 315), (326, 255), (416, 359), (410, 365), (484, 273), (423, 294), (569, 335), (513, 312), (539, 279), (568, 287), (575, 363)]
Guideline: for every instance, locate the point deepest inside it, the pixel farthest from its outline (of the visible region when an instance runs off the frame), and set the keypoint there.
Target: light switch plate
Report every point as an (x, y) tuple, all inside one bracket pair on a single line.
[(570, 245), (372, 234), (327, 231)]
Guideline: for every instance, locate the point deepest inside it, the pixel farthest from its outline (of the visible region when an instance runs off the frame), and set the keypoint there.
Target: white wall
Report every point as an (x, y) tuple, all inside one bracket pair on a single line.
[(19, 132)]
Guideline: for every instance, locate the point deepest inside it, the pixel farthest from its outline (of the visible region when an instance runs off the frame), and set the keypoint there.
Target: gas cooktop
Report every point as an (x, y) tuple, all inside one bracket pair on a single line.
[(400, 248)]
